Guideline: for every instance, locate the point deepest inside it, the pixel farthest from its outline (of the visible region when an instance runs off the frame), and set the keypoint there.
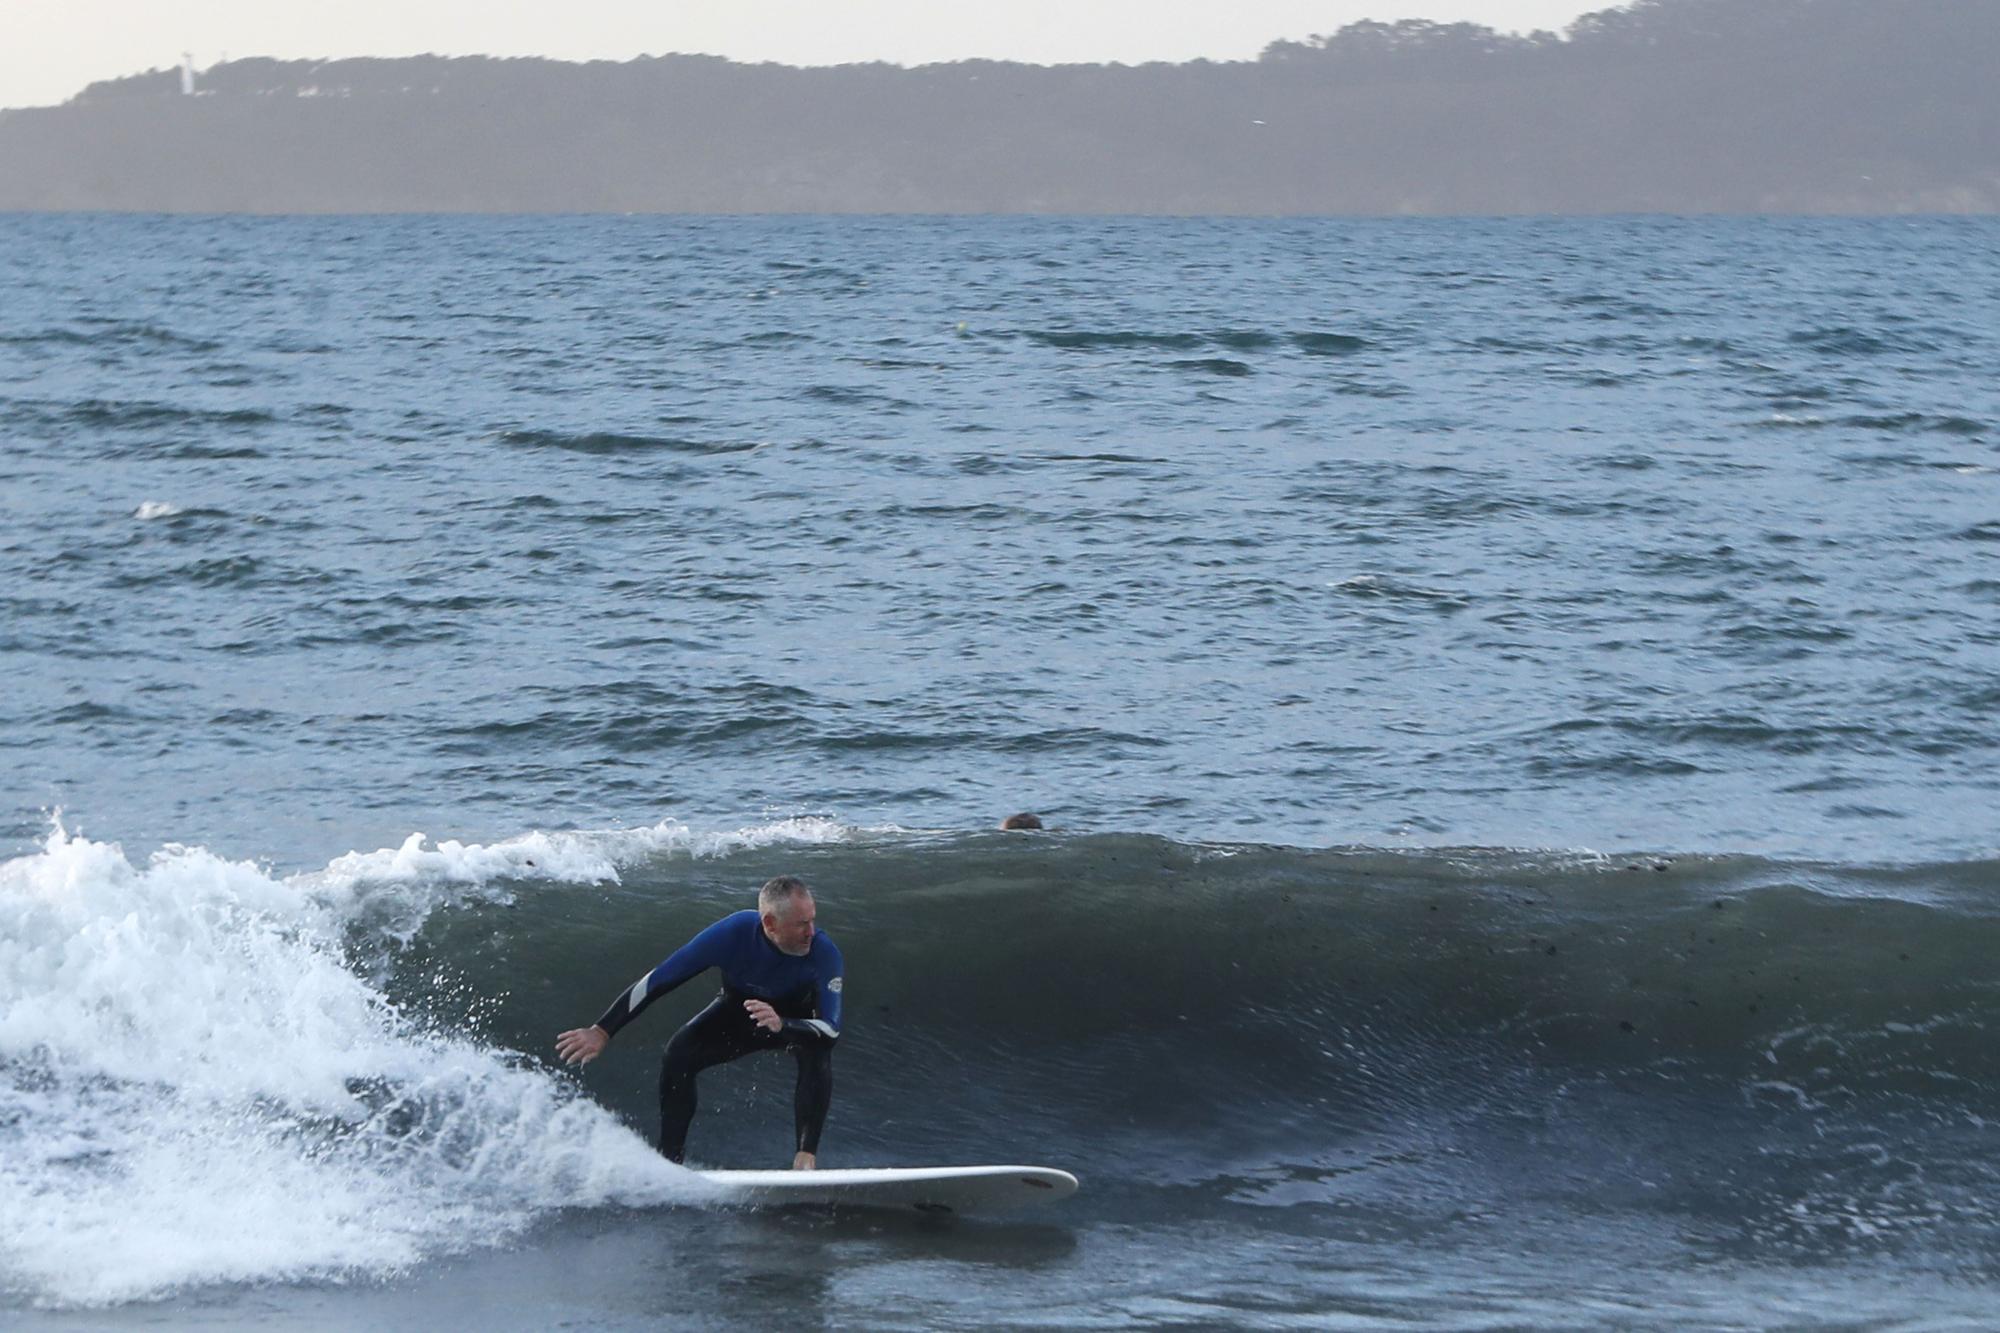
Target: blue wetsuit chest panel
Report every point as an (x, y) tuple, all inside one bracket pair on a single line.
[(750, 965)]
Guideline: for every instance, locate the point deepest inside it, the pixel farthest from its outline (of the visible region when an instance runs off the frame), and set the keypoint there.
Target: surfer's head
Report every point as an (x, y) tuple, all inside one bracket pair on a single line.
[(786, 905), (1021, 821)]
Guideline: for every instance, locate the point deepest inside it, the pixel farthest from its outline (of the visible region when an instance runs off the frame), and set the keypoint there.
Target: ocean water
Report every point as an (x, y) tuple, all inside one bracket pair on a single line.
[(1513, 702)]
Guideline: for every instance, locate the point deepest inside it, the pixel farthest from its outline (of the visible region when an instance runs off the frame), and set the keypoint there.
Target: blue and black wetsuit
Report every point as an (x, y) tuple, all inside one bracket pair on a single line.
[(804, 990)]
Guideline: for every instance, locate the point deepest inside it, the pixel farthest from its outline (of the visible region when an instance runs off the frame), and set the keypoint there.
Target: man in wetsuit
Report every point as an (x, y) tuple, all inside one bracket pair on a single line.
[(781, 980)]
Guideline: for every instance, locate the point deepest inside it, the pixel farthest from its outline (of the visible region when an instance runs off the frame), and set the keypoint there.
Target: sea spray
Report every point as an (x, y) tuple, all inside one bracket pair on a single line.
[(198, 1088)]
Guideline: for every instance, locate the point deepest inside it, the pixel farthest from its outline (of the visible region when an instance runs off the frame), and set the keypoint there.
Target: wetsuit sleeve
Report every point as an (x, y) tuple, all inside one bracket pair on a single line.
[(704, 951), (824, 1027)]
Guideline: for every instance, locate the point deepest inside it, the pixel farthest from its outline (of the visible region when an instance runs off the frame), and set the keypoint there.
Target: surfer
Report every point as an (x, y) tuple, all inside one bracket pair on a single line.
[(781, 979)]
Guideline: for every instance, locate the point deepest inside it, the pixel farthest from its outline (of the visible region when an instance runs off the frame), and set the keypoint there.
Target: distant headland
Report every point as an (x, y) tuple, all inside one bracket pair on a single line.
[(1676, 106)]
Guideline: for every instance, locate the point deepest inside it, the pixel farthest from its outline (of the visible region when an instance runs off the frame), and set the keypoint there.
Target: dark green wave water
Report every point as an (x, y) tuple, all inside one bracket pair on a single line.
[(1781, 1049)]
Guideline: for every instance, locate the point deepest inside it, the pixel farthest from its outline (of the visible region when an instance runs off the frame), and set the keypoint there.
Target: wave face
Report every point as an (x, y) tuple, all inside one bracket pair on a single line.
[(213, 1074), (1787, 1057), (1797, 1054)]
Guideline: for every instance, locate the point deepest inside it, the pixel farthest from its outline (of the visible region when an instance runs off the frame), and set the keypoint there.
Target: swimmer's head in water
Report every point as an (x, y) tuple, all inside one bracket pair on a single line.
[(1021, 821)]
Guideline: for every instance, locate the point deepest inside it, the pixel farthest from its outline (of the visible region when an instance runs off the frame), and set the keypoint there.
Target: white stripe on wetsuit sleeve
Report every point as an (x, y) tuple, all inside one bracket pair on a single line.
[(824, 1028), (637, 994)]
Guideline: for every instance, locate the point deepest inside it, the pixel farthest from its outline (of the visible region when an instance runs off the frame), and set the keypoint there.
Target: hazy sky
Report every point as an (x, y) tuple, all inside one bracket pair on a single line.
[(49, 49)]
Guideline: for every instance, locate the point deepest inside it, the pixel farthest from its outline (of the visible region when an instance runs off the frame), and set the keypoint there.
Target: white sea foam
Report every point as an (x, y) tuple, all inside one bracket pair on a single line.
[(669, 837), (585, 856), (395, 889), (196, 1087), (152, 509), (579, 857)]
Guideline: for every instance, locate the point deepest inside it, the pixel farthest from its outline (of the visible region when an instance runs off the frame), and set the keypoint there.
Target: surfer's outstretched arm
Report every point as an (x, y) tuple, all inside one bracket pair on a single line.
[(582, 1045)]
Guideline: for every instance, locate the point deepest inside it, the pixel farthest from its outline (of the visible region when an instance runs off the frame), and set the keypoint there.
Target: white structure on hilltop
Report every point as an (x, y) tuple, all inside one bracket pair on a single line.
[(187, 74)]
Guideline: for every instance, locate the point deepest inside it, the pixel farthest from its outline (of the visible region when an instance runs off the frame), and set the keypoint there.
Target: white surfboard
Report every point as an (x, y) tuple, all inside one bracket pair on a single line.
[(929, 1189)]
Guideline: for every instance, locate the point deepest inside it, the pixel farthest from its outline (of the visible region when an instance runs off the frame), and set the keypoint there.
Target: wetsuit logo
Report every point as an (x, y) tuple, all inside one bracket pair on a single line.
[(834, 985)]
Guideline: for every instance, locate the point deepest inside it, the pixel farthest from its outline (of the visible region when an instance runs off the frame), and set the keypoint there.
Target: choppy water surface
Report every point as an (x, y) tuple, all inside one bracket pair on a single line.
[(1675, 534), (1283, 566)]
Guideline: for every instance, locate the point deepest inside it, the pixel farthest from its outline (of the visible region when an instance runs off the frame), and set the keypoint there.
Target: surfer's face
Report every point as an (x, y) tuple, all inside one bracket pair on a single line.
[(792, 928)]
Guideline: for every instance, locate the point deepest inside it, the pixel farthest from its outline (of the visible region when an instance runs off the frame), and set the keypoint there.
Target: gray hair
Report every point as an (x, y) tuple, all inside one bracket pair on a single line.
[(780, 896)]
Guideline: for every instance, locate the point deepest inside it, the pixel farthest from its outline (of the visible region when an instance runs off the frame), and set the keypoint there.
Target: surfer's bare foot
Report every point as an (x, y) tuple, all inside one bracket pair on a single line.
[(805, 1161)]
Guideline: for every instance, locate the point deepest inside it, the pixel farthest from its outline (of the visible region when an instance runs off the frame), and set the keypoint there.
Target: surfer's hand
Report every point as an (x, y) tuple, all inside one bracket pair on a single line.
[(763, 1015), (579, 1046), (805, 1161)]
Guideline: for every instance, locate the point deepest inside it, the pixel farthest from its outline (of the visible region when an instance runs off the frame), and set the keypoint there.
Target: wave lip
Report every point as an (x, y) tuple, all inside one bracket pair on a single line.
[(581, 857)]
